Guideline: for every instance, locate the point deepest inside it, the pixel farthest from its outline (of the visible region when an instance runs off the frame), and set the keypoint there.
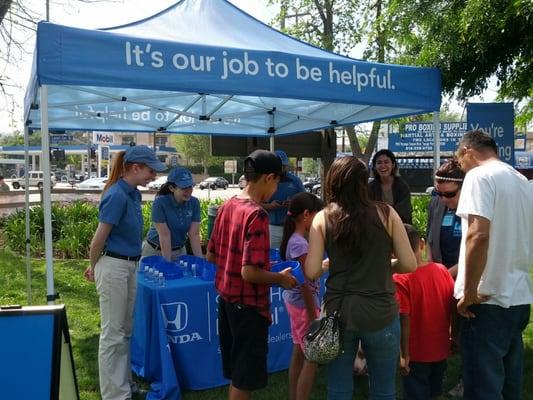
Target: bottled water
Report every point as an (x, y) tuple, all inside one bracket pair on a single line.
[(150, 276), (145, 272), (161, 280), (155, 276), (185, 270), (193, 270)]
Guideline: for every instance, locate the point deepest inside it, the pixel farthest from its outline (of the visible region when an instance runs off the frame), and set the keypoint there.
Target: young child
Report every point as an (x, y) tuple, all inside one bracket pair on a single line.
[(302, 302), (425, 298), (240, 247)]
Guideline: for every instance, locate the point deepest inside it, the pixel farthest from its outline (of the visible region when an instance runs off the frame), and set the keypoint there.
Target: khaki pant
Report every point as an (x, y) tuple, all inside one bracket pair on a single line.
[(148, 250), (276, 234), (116, 283)]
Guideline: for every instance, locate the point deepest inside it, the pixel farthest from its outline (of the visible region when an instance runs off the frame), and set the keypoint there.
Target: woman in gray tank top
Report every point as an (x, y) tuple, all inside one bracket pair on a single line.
[(360, 237)]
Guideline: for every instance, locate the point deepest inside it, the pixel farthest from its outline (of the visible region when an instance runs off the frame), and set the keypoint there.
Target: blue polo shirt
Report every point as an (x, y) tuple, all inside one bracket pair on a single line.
[(288, 187), (178, 218), (121, 207), (450, 238)]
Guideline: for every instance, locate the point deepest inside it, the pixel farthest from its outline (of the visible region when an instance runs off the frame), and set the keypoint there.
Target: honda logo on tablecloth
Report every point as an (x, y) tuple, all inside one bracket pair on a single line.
[(175, 316)]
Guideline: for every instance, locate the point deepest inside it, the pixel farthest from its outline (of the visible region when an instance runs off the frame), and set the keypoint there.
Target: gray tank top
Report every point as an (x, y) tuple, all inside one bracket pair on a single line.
[(366, 278)]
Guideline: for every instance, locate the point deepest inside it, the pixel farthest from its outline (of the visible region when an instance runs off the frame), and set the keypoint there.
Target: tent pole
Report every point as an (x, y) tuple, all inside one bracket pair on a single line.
[(436, 147), (47, 196), (27, 211), (271, 129)]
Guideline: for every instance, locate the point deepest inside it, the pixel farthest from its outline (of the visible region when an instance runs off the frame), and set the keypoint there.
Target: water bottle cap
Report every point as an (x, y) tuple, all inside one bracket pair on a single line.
[(146, 267), (150, 269), (161, 274)]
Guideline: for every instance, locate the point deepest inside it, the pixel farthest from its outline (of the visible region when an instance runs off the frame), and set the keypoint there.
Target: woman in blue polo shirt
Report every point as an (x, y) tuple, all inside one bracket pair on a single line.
[(175, 216), (114, 254)]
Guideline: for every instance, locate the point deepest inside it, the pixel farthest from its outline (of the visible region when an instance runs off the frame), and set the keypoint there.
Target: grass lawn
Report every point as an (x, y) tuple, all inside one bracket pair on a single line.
[(82, 310)]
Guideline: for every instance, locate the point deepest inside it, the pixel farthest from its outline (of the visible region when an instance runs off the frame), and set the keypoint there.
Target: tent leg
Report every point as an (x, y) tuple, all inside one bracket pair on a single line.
[(27, 212), (47, 196), (436, 147)]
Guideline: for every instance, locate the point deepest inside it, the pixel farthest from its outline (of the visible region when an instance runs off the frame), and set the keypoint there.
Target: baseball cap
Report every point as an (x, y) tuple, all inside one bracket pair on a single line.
[(144, 155), (263, 162), (283, 157), (181, 177)]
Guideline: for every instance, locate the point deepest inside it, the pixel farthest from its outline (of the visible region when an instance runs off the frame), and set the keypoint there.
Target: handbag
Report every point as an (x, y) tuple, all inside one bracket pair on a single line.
[(322, 342)]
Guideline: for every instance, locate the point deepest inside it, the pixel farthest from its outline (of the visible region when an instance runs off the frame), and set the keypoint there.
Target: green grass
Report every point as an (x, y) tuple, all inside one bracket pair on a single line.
[(82, 309)]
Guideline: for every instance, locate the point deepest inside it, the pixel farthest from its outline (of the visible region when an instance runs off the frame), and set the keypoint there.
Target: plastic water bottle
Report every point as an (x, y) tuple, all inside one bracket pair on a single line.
[(185, 270), (145, 272), (161, 280), (193, 270), (150, 276), (155, 276)]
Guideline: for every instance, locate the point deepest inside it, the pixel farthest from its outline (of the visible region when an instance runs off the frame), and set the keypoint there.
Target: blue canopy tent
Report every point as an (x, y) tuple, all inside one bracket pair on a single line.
[(206, 67)]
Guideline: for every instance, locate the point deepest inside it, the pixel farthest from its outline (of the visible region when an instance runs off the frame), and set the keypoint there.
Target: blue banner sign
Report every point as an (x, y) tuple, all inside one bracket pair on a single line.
[(496, 119), (419, 137)]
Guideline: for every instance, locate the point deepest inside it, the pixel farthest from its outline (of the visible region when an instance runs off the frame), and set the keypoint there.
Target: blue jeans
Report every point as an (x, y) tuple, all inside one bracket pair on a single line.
[(382, 349), (424, 380), (492, 352)]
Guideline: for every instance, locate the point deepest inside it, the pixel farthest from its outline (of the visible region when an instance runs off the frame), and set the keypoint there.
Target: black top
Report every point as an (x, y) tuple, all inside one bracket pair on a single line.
[(400, 193), (365, 278)]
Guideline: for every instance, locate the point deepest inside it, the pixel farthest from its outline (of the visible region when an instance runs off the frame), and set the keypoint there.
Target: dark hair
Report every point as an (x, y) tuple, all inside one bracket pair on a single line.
[(450, 171), (478, 140), (299, 203), (165, 188), (413, 235), (389, 154), (1, 177), (349, 208)]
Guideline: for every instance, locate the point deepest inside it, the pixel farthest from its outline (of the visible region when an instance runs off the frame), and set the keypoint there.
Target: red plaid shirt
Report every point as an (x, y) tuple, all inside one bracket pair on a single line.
[(240, 237)]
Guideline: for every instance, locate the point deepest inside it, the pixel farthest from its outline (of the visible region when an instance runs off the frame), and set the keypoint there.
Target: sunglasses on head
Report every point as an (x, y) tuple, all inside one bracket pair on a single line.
[(448, 195)]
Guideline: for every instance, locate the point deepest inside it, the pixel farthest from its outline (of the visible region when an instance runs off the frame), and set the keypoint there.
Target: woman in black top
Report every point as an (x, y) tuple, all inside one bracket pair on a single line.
[(388, 186)]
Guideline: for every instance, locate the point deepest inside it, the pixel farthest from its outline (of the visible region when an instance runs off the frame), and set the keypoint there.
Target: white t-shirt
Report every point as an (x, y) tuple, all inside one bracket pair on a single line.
[(499, 193)]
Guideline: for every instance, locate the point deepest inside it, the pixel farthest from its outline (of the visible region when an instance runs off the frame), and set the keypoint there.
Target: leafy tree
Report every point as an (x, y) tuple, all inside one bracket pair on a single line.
[(470, 41), (196, 148), (17, 139)]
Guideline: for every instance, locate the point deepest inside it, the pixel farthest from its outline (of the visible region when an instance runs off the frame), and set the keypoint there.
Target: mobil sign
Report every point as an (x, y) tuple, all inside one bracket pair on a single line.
[(103, 138)]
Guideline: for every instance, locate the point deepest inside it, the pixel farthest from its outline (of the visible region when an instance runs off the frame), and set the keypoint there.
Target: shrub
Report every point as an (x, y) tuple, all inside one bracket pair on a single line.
[(420, 212)]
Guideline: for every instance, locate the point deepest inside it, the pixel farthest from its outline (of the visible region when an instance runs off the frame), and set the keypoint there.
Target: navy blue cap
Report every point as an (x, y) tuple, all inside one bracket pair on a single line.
[(283, 157), (181, 177), (144, 155), (263, 162)]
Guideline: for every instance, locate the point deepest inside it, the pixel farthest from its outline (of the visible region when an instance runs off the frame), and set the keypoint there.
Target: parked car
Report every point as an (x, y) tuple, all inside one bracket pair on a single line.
[(156, 185), (242, 182), (36, 178), (317, 189), (214, 183), (309, 183), (92, 184)]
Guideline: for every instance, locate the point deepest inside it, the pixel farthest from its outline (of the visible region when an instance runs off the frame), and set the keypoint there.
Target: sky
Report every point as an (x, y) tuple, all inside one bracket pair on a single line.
[(97, 15), (117, 12)]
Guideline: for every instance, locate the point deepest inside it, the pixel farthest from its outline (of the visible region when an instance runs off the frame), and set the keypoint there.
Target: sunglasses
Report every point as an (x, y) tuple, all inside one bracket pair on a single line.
[(448, 195)]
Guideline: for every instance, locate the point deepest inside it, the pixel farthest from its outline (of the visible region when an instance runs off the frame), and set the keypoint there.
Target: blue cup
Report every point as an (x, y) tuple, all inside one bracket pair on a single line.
[(275, 256), (298, 273), (283, 265)]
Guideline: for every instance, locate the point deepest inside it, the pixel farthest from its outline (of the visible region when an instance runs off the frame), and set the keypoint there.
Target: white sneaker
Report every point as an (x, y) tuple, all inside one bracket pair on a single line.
[(457, 390)]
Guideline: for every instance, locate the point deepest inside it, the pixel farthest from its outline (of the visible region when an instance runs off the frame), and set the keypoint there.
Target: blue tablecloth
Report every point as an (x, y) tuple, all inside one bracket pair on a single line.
[(175, 336)]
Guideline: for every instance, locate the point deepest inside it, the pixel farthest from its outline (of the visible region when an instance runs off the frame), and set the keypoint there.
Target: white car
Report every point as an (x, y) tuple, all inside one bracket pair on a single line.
[(156, 185), (92, 184)]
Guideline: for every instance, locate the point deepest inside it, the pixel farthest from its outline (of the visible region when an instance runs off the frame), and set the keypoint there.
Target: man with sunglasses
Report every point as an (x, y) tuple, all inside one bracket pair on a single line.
[(493, 283), (444, 226)]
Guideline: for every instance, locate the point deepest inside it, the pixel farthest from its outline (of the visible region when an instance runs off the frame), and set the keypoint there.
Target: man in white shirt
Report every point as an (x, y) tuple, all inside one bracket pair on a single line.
[(493, 284)]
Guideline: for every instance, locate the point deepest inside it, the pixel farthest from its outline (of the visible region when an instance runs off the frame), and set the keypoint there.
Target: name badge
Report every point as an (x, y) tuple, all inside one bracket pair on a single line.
[(447, 220)]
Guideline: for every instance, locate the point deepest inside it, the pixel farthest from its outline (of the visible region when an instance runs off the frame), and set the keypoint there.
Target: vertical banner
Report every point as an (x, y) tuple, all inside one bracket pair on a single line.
[(496, 119)]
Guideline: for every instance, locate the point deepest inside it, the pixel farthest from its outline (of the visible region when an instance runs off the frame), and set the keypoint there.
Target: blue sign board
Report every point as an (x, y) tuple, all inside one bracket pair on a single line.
[(420, 137), (496, 119)]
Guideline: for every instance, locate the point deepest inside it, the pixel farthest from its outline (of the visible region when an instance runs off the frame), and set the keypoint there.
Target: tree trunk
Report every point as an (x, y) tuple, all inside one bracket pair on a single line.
[(328, 151)]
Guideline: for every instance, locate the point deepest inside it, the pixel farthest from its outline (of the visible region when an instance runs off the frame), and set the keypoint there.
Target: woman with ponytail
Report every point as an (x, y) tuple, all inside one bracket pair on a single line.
[(302, 302), (114, 254)]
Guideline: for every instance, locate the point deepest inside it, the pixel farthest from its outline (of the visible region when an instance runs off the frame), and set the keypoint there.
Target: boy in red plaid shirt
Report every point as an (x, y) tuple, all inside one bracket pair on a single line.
[(239, 246)]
